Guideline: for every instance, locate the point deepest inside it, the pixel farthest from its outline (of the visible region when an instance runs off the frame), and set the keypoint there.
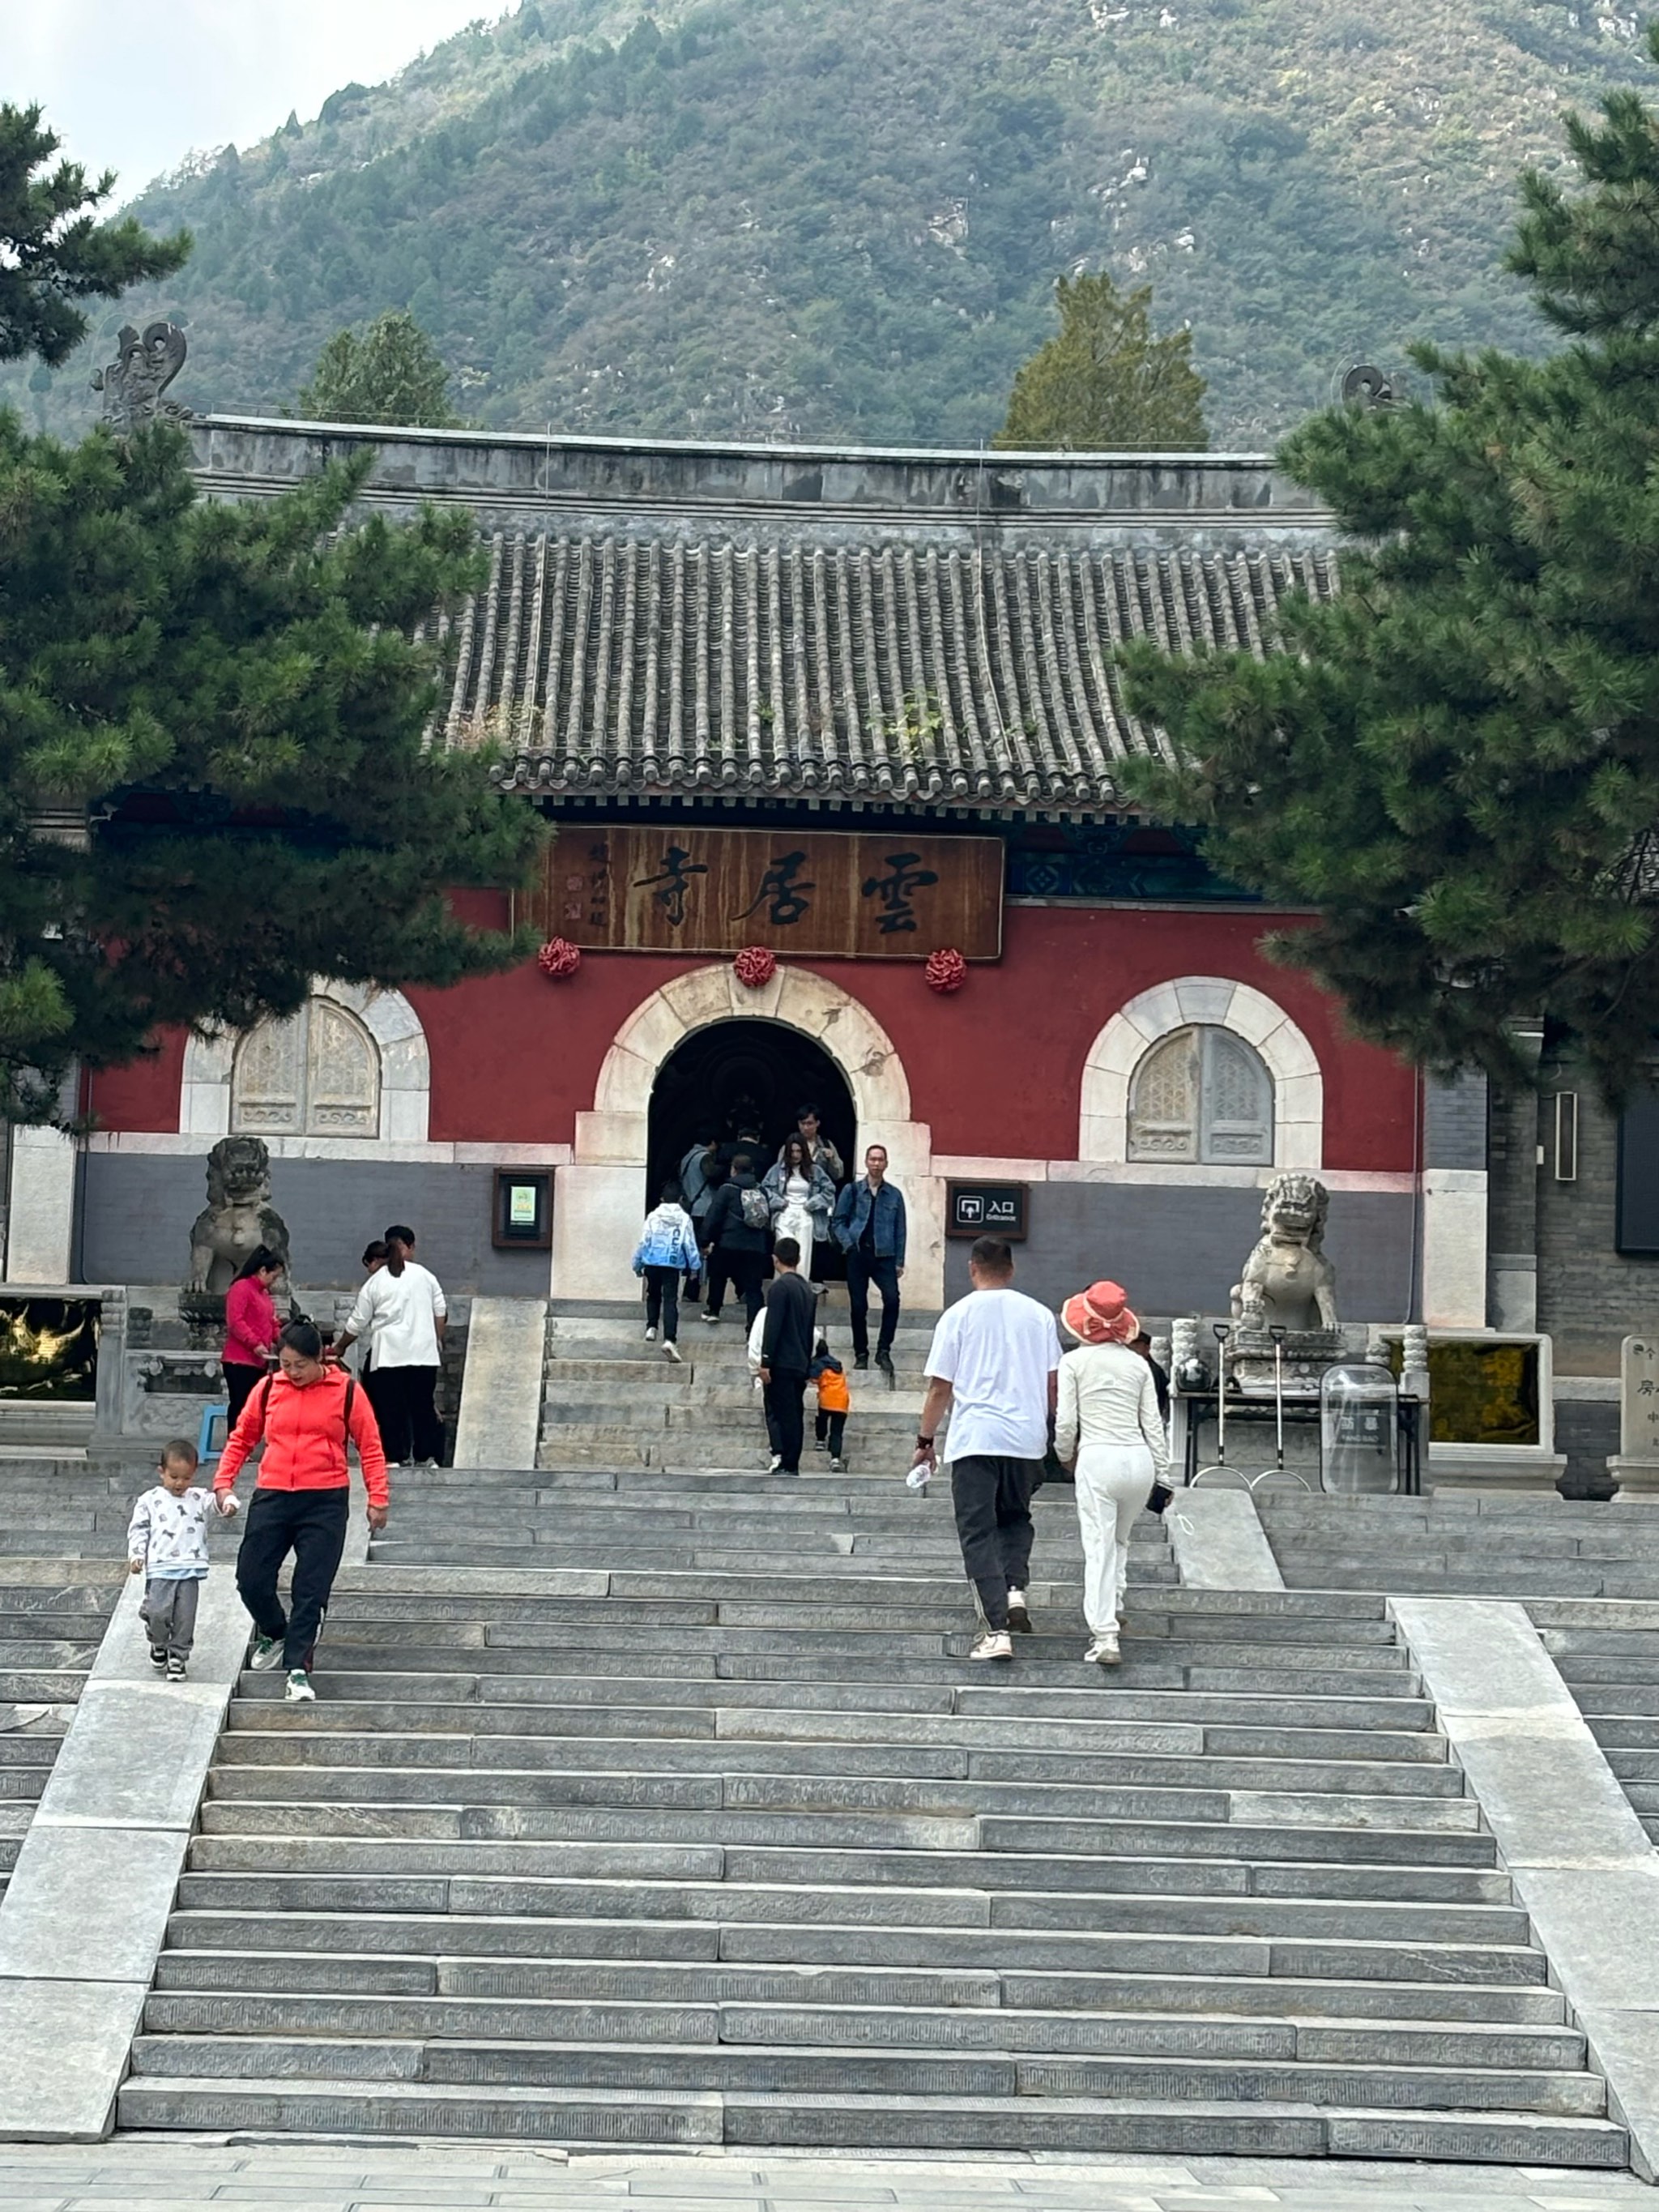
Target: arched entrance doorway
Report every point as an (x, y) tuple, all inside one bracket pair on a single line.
[(722, 1075)]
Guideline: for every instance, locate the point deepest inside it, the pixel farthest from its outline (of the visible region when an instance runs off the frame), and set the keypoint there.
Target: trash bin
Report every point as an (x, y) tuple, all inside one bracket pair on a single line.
[(1359, 1431)]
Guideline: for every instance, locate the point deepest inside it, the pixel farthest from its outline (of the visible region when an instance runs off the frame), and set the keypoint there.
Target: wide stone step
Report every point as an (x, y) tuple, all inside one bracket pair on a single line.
[(867, 2072), (567, 1980), (1424, 2043), (833, 2121)]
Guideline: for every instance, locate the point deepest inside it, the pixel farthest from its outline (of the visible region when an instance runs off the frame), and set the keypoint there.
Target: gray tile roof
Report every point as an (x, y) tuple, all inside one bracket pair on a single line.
[(929, 674)]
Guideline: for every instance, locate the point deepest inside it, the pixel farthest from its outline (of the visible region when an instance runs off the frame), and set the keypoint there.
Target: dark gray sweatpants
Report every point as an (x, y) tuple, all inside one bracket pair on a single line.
[(992, 1502), (168, 1613)]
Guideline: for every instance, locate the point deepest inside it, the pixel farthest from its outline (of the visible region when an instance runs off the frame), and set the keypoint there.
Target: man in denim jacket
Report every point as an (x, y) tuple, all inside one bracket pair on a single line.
[(870, 1228)]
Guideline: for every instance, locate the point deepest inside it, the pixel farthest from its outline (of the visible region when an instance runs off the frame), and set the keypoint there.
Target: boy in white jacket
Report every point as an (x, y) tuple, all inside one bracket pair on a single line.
[(167, 1543)]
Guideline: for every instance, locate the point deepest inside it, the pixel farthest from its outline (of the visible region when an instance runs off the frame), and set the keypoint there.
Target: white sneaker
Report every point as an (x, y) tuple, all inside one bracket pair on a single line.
[(299, 1691), (995, 1644), (1103, 1652), (837, 1466), (712, 1320), (776, 1463), (1019, 1618), (671, 1351), (651, 1336)]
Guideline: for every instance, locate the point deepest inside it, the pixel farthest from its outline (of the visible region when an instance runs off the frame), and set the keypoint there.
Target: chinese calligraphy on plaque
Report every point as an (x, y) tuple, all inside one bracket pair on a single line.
[(1638, 1425), (633, 888)]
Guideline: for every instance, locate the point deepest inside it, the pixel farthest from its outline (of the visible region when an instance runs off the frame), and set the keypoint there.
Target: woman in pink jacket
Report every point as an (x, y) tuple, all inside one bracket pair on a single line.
[(250, 1328)]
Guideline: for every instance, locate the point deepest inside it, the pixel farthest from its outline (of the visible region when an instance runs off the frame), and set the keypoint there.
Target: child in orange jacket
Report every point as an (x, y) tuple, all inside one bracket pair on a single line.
[(835, 1403)]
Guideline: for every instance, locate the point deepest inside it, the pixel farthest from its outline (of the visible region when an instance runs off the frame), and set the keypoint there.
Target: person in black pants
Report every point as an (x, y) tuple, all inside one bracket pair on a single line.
[(870, 1228), (792, 1310), (735, 1235)]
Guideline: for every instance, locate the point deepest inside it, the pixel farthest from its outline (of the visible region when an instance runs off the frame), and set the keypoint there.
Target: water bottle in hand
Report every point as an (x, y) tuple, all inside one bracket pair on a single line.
[(919, 1476)]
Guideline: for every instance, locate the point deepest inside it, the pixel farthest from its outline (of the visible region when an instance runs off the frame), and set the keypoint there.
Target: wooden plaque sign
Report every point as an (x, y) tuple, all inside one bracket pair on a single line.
[(814, 894)]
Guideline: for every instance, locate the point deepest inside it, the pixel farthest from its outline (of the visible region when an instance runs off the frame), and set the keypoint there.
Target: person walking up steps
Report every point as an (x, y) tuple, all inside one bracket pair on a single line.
[(737, 1235), (792, 1310), (305, 1414), (402, 1309), (991, 1365), (667, 1249), (870, 1228), (1108, 1416), (167, 1543), (835, 1403)]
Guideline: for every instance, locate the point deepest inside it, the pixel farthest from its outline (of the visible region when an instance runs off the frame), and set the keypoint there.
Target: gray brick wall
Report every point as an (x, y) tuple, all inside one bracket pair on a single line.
[(1589, 1296), (1455, 1121), (1180, 1251), (138, 1209)]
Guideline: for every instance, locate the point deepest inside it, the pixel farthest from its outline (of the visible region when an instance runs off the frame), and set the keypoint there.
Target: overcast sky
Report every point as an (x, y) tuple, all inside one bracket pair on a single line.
[(134, 85)]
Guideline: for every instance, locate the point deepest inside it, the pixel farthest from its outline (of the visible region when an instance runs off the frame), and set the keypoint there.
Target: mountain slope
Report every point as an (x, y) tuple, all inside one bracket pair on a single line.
[(841, 219)]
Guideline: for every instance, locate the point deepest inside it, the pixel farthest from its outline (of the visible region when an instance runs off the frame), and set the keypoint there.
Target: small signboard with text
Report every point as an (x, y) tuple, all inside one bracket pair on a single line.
[(809, 894), (986, 1209), (524, 1209)]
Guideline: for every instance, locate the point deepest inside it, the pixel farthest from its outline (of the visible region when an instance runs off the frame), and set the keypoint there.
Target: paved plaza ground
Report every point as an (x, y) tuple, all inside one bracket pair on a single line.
[(148, 2175)]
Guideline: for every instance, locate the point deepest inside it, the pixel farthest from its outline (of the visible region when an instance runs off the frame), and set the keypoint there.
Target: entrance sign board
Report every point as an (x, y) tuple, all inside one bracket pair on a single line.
[(986, 1209), (814, 894)]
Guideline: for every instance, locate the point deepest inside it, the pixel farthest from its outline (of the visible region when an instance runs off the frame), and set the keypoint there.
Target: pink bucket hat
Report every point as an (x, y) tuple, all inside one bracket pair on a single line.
[(1100, 1315)]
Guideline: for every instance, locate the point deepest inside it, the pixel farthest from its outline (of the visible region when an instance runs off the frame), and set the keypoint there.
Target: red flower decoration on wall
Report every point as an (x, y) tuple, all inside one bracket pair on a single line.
[(558, 958), (756, 964), (946, 970)]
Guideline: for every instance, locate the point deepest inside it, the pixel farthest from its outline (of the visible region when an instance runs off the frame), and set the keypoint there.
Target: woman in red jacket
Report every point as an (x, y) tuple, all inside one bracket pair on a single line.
[(250, 1329), (305, 1414)]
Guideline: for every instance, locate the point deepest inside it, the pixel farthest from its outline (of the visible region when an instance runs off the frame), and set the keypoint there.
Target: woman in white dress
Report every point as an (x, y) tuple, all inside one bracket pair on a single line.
[(1106, 1415), (801, 1196)]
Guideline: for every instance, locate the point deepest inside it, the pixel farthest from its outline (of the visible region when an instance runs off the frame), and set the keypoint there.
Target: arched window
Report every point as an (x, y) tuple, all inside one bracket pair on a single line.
[(1202, 1097), (316, 1074)]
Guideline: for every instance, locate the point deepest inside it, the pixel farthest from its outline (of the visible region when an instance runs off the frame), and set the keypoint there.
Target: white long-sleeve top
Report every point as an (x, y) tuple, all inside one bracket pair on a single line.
[(169, 1534), (1108, 1396), (398, 1314)]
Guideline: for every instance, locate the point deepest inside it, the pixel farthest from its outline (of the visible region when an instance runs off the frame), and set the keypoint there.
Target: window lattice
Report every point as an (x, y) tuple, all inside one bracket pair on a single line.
[(1202, 1097), (315, 1074)]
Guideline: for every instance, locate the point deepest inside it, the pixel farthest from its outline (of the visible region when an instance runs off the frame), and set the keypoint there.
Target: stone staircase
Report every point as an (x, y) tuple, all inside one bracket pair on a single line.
[(1608, 1657), (1465, 1543), (62, 1558), (612, 1400), (712, 1835)]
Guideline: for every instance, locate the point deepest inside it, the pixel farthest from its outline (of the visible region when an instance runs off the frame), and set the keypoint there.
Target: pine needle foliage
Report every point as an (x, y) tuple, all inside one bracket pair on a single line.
[(1456, 762), (54, 251), (215, 781), (1107, 383), (391, 373)]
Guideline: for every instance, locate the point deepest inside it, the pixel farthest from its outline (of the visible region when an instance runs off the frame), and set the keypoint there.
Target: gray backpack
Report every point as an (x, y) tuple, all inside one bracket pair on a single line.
[(755, 1208)]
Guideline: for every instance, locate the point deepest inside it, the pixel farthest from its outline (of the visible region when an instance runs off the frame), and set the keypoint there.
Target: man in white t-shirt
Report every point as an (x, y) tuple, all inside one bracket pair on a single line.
[(993, 1364)]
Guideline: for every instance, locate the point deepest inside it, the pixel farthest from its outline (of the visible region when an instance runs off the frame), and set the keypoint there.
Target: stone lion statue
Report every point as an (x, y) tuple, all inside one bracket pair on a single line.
[(238, 1216), (1288, 1282)]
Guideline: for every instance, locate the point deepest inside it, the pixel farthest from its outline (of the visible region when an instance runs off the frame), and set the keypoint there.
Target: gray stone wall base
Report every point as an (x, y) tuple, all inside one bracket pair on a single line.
[(1582, 1865), (1220, 1543), (500, 1422), (86, 1909)]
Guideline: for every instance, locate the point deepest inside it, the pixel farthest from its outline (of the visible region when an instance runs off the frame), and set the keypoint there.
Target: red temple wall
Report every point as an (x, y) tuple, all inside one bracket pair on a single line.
[(997, 1069)]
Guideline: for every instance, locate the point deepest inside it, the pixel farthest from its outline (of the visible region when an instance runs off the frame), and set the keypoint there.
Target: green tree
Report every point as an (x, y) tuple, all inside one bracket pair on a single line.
[(54, 249), (391, 373), (215, 783), (1456, 761), (1107, 383)]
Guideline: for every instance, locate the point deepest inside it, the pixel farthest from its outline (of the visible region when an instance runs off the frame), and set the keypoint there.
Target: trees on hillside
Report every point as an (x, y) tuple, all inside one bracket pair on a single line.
[(391, 373), (1107, 382), (215, 783), (1456, 761), (54, 251)]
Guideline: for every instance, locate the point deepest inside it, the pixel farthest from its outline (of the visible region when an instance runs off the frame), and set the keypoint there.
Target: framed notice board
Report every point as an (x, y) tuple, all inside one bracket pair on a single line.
[(523, 1219), (986, 1209)]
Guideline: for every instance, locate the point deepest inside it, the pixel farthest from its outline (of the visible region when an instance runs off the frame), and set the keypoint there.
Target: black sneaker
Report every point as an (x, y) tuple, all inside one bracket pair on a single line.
[(158, 1657), (177, 1668), (861, 1361), (884, 1361)]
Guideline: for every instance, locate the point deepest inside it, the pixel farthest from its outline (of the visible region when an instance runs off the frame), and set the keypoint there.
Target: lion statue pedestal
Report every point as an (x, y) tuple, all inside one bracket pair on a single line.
[(1287, 1284)]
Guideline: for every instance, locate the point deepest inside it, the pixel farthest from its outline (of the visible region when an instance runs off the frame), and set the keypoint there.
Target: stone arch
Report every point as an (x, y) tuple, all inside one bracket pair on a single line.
[(399, 1039), (1113, 1058), (846, 1029)]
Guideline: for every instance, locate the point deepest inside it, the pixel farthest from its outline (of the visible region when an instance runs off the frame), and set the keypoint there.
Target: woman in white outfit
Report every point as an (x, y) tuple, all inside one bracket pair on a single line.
[(1108, 1416)]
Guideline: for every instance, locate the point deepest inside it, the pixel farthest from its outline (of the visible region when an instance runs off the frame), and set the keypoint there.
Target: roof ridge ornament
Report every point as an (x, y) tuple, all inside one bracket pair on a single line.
[(146, 361)]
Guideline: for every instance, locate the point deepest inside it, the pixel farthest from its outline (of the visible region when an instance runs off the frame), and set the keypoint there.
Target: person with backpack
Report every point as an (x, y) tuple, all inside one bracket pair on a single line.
[(666, 1249), (736, 1237), (305, 1414)]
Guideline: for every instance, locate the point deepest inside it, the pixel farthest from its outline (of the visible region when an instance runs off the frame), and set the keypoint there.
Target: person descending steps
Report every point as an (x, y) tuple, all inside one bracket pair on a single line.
[(992, 1366)]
